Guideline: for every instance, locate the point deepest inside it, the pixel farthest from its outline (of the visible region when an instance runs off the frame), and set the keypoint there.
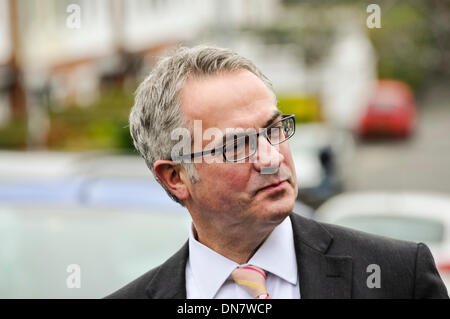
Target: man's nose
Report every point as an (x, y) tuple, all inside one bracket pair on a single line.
[(269, 158)]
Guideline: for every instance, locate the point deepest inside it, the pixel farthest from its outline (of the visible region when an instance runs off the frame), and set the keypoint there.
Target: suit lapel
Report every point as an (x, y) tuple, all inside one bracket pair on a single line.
[(170, 280), (320, 275)]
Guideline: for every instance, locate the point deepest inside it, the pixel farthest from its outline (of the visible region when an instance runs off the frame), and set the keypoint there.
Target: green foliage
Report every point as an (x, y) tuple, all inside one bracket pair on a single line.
[(403, 43), (102, 125), (14, 135)]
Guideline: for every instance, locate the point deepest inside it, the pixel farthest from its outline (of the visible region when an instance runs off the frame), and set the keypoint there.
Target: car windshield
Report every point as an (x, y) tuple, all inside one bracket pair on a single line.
[(400, 227)]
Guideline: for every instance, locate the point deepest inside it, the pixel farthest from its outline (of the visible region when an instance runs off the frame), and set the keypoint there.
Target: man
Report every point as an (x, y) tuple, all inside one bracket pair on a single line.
[(240, 189)]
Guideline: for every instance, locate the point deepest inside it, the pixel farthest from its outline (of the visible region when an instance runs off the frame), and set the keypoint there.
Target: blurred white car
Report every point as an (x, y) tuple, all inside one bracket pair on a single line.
[(417, 217), (45, 250), (104, 213), (321, 156)]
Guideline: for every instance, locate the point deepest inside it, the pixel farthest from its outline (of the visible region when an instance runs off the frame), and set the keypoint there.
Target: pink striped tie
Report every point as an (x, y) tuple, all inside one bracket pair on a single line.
[(252, 279)]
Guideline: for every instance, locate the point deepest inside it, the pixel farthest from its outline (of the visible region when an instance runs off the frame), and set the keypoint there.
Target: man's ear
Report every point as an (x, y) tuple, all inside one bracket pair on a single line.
[(171, 175)]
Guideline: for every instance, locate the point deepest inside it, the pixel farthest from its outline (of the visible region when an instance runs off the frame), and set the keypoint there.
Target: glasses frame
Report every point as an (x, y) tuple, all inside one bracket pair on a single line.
[(263, 132)]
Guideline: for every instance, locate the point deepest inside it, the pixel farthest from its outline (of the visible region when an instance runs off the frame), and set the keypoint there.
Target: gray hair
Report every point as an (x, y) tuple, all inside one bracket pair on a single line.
[(157, 109)]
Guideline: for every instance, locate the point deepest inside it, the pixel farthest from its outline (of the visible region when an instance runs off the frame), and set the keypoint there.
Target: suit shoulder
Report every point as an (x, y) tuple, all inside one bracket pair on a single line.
[(344, 238), (136, 288), (408, 264), (406, 269), (340, 240)]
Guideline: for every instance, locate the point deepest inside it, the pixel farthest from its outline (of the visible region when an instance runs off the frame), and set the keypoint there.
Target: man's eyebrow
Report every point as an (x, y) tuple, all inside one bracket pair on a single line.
[(238, 134), (275, 115)]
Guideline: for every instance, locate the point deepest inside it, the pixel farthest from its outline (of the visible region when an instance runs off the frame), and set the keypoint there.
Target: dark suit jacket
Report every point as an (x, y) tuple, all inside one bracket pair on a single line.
[(332, 263)]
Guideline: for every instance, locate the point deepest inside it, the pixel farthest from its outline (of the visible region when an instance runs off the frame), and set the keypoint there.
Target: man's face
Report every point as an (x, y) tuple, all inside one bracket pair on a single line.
[(237, 192)]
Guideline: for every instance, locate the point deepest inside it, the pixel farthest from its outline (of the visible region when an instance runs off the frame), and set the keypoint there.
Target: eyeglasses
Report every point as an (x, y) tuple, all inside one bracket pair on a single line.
[(244, 145)]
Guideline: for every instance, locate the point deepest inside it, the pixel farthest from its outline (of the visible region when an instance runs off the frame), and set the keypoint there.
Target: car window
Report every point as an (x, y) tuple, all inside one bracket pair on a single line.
[(399, 227)]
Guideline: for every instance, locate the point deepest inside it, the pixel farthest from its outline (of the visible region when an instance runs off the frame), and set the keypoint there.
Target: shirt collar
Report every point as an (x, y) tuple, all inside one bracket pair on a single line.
[(208, 276), (276, 255)]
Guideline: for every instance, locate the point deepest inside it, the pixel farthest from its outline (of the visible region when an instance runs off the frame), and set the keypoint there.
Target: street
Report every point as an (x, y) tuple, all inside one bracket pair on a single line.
[(421, 163)]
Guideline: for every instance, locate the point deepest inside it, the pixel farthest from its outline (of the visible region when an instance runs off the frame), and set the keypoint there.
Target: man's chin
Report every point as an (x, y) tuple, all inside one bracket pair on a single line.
[(277, 211)]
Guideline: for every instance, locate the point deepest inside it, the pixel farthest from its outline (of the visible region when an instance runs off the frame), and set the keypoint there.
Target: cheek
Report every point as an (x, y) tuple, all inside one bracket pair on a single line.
[(231, 177), (237, 176), (225, 187), (289, 161)]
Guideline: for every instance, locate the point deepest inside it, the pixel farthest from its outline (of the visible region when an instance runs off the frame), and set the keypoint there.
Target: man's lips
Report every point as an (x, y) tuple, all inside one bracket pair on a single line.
[(273, 187)]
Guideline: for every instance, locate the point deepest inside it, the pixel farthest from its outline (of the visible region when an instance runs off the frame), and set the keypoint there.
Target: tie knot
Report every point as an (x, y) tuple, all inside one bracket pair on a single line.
[(252, 279)]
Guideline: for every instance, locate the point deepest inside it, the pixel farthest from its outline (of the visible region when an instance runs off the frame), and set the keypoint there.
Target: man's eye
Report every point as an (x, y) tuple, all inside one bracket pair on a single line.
[(275, 130)]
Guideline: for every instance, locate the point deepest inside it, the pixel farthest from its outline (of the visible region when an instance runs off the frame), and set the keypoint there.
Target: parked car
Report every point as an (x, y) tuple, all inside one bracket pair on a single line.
[(391, 111), (417, 217), (321, 155)]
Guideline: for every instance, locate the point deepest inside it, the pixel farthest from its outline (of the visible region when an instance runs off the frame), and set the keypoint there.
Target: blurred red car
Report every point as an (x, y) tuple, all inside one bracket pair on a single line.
[(391, 111)]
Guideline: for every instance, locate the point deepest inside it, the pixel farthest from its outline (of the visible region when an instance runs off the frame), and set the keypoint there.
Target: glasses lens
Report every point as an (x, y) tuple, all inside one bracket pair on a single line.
[(288, 128), (281, 131), (244, 146), (240, 148), (275, 134)]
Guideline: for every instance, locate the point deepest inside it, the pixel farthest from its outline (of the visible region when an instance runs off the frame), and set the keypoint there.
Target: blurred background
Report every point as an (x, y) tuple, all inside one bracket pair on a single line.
[(368, 86)]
